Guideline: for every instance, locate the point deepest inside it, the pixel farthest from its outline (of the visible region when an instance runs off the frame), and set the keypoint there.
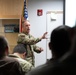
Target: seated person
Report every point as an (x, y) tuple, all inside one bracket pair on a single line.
[(19, 53), (8, 66), (67, 64)]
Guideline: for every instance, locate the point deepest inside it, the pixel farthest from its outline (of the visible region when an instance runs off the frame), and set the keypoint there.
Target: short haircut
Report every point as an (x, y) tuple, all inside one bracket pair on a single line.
[(60, 39), (3, 45), (19, 48), (24, 21)]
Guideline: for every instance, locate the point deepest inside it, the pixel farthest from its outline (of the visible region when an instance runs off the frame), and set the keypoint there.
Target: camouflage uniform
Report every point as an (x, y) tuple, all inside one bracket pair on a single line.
[(30, 43), (26, 66)]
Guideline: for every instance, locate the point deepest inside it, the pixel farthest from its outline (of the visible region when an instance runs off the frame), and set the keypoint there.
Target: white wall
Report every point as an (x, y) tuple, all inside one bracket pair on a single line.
[(70, 12), (38, 23)]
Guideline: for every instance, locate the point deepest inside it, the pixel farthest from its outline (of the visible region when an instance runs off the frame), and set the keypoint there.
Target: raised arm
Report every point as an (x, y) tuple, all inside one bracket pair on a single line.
[(29, 39)]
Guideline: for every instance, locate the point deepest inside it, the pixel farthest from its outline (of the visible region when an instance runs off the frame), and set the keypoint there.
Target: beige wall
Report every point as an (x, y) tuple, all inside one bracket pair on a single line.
[(10, 13), (11, 8), (11, 37)]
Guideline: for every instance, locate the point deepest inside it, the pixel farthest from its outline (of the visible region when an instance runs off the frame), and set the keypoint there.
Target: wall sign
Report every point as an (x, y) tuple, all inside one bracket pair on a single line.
[(11, 28), (39, 12)]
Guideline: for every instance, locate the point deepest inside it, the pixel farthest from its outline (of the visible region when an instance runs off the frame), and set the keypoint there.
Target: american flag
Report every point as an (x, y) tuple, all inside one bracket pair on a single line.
[(24, 15), (25, 11)]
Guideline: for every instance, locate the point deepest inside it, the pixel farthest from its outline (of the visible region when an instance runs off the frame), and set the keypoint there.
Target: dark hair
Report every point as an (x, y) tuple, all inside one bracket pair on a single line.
[(20, 48), (3, 45), (60, 40)]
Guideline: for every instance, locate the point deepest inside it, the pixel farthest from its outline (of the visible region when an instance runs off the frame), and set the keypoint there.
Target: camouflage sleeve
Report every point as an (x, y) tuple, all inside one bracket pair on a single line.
[(22, 38), (26, 66), (18, 68), (36, 49)]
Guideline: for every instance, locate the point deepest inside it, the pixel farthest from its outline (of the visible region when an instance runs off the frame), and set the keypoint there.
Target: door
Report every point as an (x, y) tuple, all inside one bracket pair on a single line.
[(53, 20)]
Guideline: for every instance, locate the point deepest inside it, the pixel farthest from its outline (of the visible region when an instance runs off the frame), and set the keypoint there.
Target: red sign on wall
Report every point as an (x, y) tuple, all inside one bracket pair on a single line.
[(39, 12)]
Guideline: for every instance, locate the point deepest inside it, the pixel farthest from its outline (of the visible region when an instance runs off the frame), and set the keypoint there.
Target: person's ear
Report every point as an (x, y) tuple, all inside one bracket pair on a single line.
[(7, 52), (49, 45), (22, 28), (24, 55)]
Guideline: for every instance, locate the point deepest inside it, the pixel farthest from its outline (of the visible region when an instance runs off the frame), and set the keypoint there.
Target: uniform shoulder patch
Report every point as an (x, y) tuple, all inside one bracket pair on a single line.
[(22, 35)]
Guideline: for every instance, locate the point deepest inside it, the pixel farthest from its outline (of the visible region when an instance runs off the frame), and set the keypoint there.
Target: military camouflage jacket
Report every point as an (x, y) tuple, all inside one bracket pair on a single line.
[(30, 43), (26, 66)]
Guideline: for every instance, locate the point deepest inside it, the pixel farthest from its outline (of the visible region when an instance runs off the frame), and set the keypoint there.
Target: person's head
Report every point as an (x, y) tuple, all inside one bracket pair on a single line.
[(26, 26), (3, 46), (20, 50), (60, 40)]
